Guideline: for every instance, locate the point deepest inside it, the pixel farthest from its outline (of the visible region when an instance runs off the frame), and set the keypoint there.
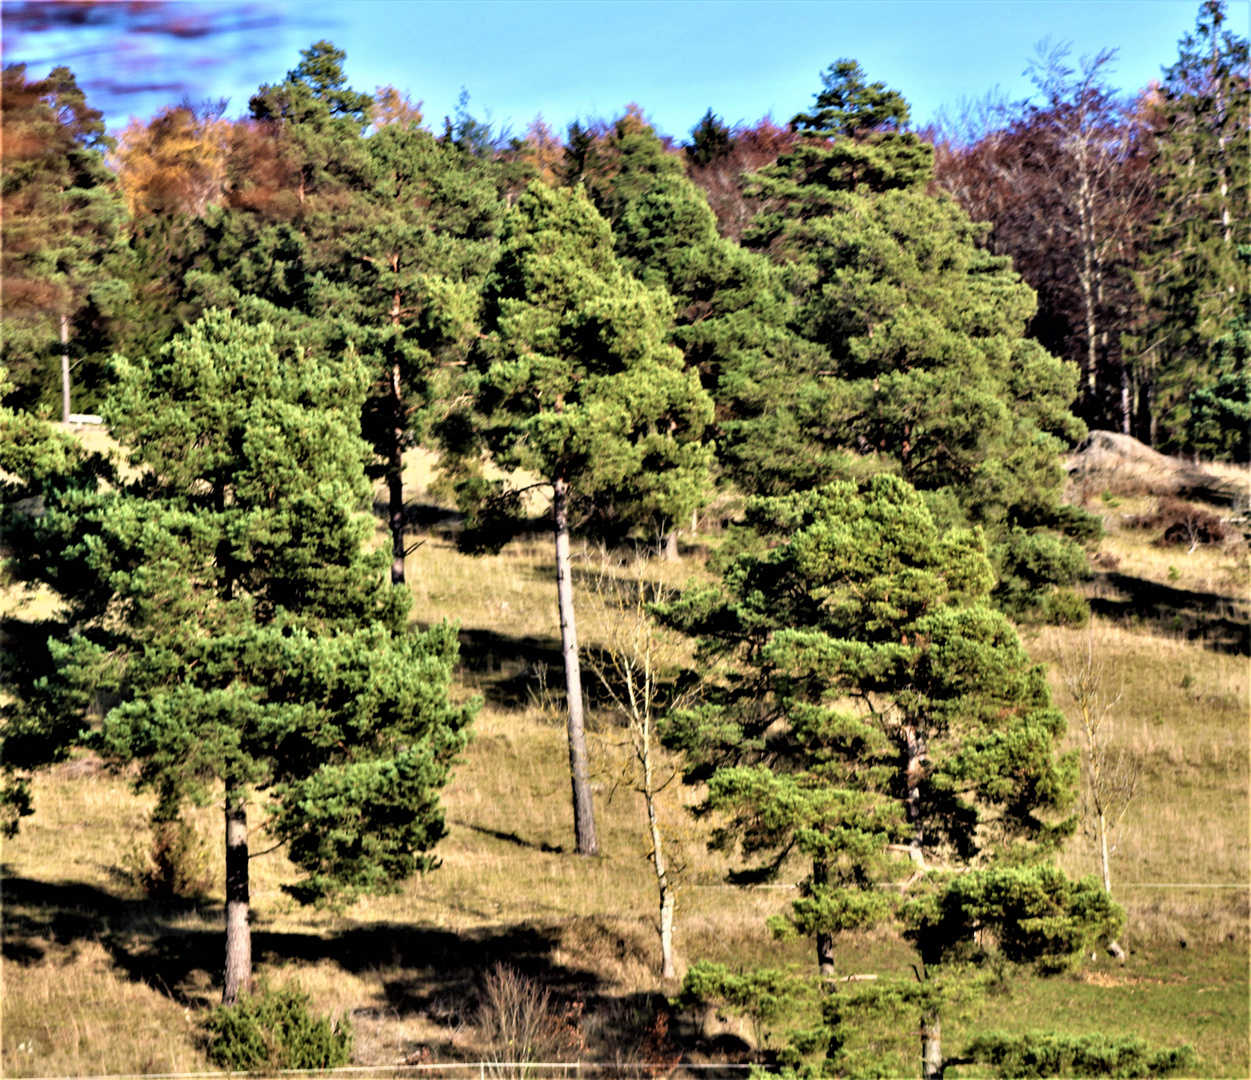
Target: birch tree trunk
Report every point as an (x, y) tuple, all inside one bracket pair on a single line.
[(579, 767), (65, 376), (667, 968), (238, 979), (395, 479)]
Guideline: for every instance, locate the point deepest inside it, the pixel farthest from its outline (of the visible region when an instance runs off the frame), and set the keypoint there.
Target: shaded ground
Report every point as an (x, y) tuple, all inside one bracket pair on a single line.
[(1211, 619), (427, 971), (144, 941)]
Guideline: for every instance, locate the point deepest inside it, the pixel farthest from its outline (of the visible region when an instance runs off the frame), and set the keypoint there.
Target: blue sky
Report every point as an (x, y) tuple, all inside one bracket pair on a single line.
[(570, 59)]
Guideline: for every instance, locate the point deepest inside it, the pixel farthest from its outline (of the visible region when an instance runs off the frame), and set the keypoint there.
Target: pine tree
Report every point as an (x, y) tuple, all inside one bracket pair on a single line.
[(1194, 282), (404, 260), (382, 241), (578, 388), (710, 141), (62, 260), (1219, 425), (927, 371), (871, 705), (928, 365), (732, 311), (226, 612)]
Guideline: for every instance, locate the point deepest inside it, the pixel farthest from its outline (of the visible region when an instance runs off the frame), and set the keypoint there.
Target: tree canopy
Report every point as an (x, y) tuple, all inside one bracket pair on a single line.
[(874, 713), (225, 614)]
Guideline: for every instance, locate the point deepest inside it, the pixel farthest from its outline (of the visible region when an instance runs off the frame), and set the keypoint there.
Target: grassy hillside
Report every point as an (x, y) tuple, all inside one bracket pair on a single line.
[(98, 980)]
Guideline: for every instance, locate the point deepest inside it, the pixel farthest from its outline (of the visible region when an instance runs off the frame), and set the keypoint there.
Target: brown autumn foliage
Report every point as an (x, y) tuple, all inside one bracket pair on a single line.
[(722, 179), (264, 173), (175, 163), (543, 151), (1066, 187), (1182, 523), (392, 106)]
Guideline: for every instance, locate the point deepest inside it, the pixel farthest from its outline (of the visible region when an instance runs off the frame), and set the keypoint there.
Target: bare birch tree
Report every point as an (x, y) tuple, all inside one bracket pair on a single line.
[(634, 660), (1110, 774)]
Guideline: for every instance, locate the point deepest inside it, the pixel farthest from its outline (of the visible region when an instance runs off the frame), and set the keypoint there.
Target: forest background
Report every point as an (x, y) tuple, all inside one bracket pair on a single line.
[(651, 331)]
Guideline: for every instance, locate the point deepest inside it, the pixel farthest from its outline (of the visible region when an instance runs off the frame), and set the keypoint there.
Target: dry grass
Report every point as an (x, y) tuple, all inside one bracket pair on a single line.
[(97, 980), (66, 1016), (1183, 715)]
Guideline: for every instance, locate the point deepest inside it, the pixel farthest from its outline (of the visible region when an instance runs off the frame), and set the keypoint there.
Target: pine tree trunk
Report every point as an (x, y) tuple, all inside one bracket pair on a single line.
[(669, 545), (931, 1045), (395, 479), (65, 376), (825, 940), (579, 767), (238, 975), (915, 748)]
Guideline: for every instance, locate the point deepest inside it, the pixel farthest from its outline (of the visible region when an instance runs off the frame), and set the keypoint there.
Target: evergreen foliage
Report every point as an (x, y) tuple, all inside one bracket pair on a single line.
[(710, 140), (732, 311), (1219, 424), (927, 364), (871, 702), (1046, 1053), (386, 245), (1194, 281), (402, 265), (225, 614), (576, 381), (63, 253), (273, 1030), (303, 295), (577, 387), (926, 370)]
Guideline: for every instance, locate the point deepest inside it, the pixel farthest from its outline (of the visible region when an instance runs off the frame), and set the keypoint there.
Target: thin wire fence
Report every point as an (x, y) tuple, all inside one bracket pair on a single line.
[(484, 1070)]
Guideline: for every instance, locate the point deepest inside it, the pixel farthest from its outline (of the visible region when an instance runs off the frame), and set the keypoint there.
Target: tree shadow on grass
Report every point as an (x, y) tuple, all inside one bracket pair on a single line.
[(146, 941), (1215, 621), (423, 970), (510, 671), (512, 838)]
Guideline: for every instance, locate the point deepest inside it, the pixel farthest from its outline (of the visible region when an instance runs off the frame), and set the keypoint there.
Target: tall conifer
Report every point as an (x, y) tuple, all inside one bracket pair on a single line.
[(226, 615), (578, 387), (1195, 281)]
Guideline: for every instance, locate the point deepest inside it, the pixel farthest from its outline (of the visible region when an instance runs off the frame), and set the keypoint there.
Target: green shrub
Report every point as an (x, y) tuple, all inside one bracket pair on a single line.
[(272, 1030), (1035, 571), (1063, 607), (1077, 524), (1048, 1053)]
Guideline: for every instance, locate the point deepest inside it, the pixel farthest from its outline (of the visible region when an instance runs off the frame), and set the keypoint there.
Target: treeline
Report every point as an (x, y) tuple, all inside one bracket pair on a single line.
[(1125, 214), (270, 312)]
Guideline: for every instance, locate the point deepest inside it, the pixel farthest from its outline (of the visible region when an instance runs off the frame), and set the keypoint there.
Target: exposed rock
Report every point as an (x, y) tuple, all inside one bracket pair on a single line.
[(1120, 464)]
